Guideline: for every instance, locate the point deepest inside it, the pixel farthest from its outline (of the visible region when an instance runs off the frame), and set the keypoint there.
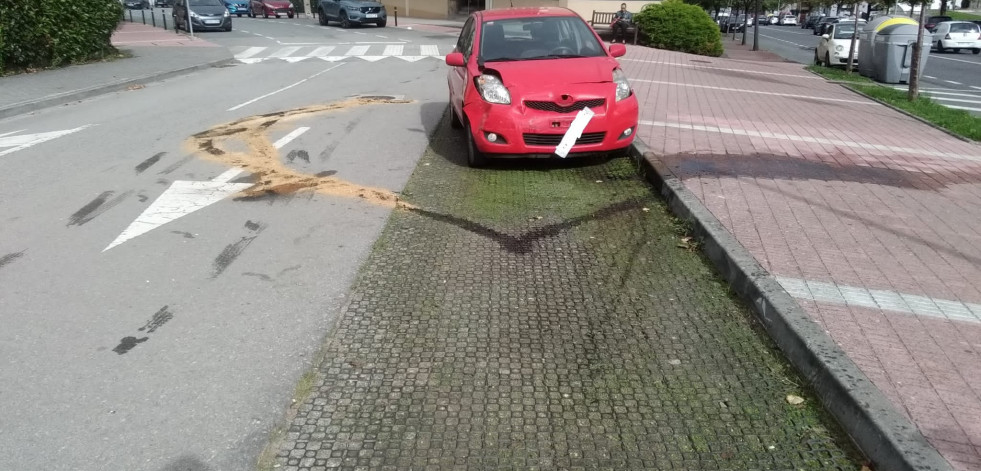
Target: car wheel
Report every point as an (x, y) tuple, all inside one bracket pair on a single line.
[(277, 15), (228, 28), (381, 24), (239, 15), (957, 50), (475, 158), (289, 15), (975, 51), (345, 20), (251, 13), (322, 18), (940, 46), (265, 13)]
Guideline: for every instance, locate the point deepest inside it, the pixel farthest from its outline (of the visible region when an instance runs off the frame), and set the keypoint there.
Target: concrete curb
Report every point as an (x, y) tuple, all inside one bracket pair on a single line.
[(81, 94), (884, 435)]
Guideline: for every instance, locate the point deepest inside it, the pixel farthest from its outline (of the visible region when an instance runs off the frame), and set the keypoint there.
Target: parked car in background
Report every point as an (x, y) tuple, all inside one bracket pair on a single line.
[(819, 27), (136, 4), (529, 81), (164, 3), (774, 19), (762, 20), (833, 47), (933, 21), (957, 35), (267, 8), (787, 20), (352, 13), (201, 15), (811, 21), (237, 7)]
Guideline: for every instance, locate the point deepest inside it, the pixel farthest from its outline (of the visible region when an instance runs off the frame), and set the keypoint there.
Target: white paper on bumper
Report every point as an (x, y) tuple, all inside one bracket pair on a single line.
[(574, 132)]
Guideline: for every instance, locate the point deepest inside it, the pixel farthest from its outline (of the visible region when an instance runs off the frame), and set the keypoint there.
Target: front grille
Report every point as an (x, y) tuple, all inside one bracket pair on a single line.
[(556, 108), (555, 139), (370, 9)]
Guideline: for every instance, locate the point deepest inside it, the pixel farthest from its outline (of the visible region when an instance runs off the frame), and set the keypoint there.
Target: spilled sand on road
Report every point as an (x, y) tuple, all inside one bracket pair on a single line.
[(263, 161)]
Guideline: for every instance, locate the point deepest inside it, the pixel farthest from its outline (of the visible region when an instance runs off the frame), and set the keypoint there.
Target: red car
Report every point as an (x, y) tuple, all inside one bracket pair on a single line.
[(538, 82), (268, 8)]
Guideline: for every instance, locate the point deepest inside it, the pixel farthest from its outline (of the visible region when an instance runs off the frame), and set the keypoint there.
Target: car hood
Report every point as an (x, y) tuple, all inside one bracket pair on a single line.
[(277, 4), (535, 76), (361, 4), (209, 9)]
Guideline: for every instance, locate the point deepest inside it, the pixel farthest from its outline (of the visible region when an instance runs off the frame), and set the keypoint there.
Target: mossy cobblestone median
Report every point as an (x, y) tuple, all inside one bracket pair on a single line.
[(548, 316)]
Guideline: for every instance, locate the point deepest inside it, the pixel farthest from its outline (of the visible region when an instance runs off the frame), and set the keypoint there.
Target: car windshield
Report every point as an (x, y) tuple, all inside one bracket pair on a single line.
[(964, 28), (844, 31), (205, 3), (537, 38)]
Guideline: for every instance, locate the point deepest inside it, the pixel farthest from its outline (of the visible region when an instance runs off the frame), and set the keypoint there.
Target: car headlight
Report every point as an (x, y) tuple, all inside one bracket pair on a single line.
[(493, 90), (194, 15), (623, 88), (839, 48), (227, 14)]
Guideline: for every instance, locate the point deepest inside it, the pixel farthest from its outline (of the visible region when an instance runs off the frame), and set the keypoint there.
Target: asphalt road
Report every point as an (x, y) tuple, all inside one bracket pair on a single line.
[(155, 318), (953, 79)]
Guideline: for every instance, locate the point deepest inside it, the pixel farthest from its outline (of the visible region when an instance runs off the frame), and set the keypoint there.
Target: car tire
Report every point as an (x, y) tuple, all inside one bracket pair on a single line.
[(228, 28), (277, 16), (975, 51), (265, 13), (345, 20), (455, 122), (475, 158), (239, 15), (322, 18), (289, 15), (957, 50), (940, 46), (251, 13)]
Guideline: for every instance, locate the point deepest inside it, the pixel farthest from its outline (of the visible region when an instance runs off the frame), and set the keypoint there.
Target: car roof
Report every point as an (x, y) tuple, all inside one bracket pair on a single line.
[(523, 12)]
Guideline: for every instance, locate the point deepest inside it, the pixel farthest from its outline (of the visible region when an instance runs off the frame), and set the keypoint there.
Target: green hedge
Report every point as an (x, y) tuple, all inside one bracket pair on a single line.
[(677, 26), (47, 33)]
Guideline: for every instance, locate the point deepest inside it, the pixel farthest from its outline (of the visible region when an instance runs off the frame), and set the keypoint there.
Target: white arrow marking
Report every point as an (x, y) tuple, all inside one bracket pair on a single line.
[(27, 140), (185, 197)]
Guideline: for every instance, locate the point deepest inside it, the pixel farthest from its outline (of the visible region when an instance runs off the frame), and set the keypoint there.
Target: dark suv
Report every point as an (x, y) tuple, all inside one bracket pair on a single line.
[(932, 22)]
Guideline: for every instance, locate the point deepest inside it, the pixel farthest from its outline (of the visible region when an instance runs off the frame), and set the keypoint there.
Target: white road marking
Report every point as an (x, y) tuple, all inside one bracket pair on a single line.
[(185, 197), (405, 40), (965, 108), (412, 58), (935, 56), (429, 50), (788, 42), (953, 82), (284, 88), (359, 32), (816, 140), (699, 66), (25, 141), (976, 88), (285, 52), (249, 52), (930, 77), (11, 132), (881, 299), (380, 36), (393, 50), (790, 95), (357, 51), (321, 51)]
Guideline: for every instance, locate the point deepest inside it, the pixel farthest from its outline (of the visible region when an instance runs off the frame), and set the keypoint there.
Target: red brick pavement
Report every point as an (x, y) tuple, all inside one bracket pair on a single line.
[(823, 185)]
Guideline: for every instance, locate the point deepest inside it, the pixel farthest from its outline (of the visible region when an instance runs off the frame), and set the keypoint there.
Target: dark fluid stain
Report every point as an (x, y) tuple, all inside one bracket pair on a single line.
[(377, 97), (187, 235), (301, 154), (94, 208), (269, 196), (160, 318), (127, 344), (209, 147), (266, 124), (790, 168), (326, 173), (276, 114), (258, 275), (142, 197), (219, 132), (149, 162), (525, 243), (254, 226), (289, 269), (175, 165), (10, 257)]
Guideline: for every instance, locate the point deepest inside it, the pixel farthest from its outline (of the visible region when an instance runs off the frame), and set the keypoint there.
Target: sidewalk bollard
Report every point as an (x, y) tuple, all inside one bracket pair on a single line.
[(396, 16), (130, 16), (164, 18), (143, 14), (153, 17)]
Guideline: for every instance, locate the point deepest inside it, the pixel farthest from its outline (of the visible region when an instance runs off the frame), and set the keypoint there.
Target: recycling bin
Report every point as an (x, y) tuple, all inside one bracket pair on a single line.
[(892, 52), (867, 39)]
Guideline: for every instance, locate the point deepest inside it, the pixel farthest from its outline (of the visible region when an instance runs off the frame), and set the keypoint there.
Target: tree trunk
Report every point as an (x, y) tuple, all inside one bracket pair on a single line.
[(943, 7)]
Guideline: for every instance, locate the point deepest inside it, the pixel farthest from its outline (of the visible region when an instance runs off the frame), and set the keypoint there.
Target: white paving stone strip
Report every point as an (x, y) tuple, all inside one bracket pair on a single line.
[(857, 296), (814, 140), (755, 92), (700, 66)]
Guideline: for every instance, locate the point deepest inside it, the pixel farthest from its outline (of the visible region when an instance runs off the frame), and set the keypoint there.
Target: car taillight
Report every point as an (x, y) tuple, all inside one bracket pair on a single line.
[(947, 36)]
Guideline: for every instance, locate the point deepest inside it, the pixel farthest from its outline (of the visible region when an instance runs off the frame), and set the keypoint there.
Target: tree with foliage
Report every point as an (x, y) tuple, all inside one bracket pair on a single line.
[(45, 33), (677, 26)]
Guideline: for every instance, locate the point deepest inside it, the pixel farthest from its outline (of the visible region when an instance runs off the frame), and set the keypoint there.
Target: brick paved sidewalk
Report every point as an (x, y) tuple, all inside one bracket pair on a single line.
[(543, 317), (870, 218)]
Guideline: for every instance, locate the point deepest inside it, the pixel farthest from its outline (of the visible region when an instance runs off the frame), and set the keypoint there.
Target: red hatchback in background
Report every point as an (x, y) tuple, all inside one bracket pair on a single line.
[(268, 8), (538, 82)]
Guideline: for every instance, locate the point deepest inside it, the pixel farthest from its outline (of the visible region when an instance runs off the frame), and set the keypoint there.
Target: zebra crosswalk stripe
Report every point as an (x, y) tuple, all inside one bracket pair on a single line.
[(366, 52), (321, 51), (285, 52), (393, 50), (249, 52), (357, 51), (429, 50)]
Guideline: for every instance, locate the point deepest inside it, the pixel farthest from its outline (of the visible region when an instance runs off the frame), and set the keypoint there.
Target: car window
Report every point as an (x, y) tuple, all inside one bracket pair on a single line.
[(964, 28), (464, 43), (205, 3), (844, 31), (538, 38)]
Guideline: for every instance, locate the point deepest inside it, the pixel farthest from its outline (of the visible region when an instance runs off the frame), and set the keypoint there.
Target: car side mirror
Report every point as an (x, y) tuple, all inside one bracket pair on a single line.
[(617, 50), (825, 36), (455, 59)]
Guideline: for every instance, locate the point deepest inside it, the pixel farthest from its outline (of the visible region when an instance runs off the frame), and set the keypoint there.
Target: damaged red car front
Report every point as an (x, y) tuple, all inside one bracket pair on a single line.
[(538, 82)]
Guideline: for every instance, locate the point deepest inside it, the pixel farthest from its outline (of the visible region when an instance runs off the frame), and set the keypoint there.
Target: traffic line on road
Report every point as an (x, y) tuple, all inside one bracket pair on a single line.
[(789, 95), (284, 88), (953, 82), (185, 197), (936, 56), (814, 140), (858, 296), (21, 142)]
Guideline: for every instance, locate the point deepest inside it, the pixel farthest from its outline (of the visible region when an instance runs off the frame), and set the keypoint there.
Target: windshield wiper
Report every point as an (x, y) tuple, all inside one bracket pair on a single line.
[(503, 59)]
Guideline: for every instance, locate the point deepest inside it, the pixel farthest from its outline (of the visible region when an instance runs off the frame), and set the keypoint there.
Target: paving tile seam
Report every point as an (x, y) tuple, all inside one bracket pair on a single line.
[(757, 92), (707, 67)]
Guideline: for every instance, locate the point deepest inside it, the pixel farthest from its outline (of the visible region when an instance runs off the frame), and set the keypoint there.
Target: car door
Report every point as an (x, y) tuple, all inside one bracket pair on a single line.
[(457, 76), (822, 47), (331, 8)]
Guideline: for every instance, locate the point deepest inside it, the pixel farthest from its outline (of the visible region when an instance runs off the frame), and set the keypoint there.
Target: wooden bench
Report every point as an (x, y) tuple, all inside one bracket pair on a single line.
[(601, 21)]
